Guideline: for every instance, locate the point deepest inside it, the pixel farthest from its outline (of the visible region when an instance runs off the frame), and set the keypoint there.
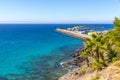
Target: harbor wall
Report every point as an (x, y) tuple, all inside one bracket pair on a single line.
[(73, 34)]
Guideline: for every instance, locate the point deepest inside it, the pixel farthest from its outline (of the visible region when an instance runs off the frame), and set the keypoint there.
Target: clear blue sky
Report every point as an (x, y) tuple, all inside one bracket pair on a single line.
[(58, 11)]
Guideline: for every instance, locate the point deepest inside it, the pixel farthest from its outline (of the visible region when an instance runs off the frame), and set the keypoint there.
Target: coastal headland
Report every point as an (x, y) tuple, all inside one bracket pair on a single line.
[(100, 57)]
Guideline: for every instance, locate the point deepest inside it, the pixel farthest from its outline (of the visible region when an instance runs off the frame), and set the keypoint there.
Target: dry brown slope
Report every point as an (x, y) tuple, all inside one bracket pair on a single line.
[(111, 72)]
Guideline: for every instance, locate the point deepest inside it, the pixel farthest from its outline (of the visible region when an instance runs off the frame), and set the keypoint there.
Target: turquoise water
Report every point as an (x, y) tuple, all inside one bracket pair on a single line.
[(26, 48)]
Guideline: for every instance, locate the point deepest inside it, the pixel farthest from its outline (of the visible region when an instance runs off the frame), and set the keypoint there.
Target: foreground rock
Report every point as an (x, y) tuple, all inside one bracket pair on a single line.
[(111, 72)]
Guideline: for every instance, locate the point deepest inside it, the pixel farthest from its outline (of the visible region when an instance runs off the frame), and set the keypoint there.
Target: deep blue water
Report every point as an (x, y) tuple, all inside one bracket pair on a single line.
[(29, 47)]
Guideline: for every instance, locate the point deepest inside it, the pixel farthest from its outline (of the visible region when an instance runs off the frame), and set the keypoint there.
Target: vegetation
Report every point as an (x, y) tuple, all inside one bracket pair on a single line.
[(96, 78), (102, 49), (116, 22)]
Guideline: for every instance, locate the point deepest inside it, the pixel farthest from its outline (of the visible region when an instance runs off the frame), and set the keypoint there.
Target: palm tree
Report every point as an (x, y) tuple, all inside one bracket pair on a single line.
[(116, 23), (93, 48), (112, 44), (96, 46), (103, 48)]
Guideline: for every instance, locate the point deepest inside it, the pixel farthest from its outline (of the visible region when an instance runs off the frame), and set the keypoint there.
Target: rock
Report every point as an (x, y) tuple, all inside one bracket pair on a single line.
[(3, 78)]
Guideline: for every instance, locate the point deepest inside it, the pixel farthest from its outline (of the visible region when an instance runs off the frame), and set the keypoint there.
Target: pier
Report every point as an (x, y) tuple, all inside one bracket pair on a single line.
[(73, 34)]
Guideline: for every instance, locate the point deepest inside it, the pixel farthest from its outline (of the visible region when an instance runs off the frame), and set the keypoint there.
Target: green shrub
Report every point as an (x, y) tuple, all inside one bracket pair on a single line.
[(97, 64), (115, 59)]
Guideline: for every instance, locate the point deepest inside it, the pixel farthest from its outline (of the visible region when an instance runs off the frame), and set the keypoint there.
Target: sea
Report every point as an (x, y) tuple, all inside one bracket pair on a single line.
[(34, 51)]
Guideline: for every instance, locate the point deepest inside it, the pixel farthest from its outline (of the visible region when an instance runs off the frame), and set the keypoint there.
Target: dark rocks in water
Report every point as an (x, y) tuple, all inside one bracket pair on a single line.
[(77, 53), (3, 78), (75, 62), (38, 75)]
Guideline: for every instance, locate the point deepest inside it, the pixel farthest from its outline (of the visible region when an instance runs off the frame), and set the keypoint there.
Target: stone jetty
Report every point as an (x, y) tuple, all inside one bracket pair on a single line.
[(73, 34)]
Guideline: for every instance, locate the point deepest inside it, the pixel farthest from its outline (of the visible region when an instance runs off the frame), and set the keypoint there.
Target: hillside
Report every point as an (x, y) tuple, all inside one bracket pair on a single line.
[(112, 72)]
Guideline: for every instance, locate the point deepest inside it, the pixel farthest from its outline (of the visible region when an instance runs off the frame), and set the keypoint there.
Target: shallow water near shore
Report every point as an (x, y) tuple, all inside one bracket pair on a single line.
[(34, 51)]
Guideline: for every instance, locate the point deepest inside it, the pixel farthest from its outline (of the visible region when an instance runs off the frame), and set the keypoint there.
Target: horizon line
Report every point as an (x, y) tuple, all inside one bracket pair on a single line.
[(102, 22), (56, 22)]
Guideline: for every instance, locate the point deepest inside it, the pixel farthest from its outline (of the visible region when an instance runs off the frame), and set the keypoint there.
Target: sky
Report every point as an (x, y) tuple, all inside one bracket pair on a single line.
[(59, 11)]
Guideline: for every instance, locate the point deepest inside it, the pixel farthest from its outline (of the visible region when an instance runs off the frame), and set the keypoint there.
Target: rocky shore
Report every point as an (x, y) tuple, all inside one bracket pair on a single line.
[(75, 62)]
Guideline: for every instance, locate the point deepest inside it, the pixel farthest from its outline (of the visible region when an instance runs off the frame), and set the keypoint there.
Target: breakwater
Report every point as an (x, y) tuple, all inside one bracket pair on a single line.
[(73, 34)]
